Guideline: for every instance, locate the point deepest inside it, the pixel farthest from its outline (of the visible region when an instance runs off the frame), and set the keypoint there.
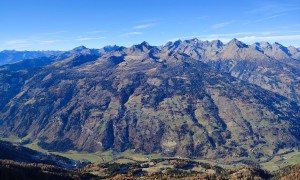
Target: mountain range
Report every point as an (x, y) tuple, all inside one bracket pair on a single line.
[(191, 98), (11, 56)]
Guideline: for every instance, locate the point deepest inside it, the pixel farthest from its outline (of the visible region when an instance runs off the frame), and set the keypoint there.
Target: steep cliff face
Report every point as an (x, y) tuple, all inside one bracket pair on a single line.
[(10, 85), (187, 98), (135, 99), (272, 67)]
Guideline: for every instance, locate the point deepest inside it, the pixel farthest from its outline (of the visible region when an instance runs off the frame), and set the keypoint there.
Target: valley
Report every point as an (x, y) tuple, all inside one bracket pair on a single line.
[(185, 102), (158, 90), (284, 158), (136, 166)]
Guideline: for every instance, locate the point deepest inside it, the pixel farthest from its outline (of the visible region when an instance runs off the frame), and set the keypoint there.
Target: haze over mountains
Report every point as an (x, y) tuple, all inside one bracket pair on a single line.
[(10, 56), (186, 98)]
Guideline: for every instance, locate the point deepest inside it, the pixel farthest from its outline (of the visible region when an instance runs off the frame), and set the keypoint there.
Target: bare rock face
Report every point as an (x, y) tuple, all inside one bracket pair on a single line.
[(187, 98), (272, 67)]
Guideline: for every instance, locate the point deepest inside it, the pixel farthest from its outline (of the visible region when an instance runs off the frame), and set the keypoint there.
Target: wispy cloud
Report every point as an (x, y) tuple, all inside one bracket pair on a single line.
[(144, 26), (288, 38), (221, 25), (134, 33), (274, 9), (269, 17), (88, 38), (19, 43), (49, 41), (25, 43), (295, 37)]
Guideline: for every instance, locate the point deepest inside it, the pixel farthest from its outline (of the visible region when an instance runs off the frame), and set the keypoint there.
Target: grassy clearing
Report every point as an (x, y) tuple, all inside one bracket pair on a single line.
[(69, 154), (107, 156), (124, 161), (128, 156), (138, 156), (13, 139), (34, 146), (280, 161), (80, 156)]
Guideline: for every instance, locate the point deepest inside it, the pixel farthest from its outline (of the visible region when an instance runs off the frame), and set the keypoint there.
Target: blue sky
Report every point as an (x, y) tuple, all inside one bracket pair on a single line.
[(65, 24)]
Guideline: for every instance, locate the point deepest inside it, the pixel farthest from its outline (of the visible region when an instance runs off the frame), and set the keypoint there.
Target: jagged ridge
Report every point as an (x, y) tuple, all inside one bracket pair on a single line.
[(177, 99)]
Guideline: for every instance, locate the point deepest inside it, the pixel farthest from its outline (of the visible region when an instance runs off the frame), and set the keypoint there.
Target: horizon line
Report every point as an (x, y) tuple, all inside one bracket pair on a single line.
[(169, 41)]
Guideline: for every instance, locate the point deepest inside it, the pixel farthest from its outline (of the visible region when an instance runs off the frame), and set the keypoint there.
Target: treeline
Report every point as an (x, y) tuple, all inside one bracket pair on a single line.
[(15, 152), (288, 173), (59, 145), (11, 170)]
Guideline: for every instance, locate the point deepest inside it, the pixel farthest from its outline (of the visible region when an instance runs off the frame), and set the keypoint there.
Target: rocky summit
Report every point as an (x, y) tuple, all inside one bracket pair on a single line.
[(190, 98)]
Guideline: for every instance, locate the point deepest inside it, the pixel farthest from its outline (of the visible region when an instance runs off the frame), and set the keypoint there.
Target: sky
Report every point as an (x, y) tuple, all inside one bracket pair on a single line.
[(65, 24)]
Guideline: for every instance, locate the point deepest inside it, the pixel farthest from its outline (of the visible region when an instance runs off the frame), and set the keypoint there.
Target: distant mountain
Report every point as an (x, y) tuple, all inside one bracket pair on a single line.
[(272, 67), (187, 98), (11, 56)]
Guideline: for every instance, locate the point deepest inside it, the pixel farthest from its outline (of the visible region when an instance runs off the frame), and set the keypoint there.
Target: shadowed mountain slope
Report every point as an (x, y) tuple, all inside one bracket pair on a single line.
[(188, 98)]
